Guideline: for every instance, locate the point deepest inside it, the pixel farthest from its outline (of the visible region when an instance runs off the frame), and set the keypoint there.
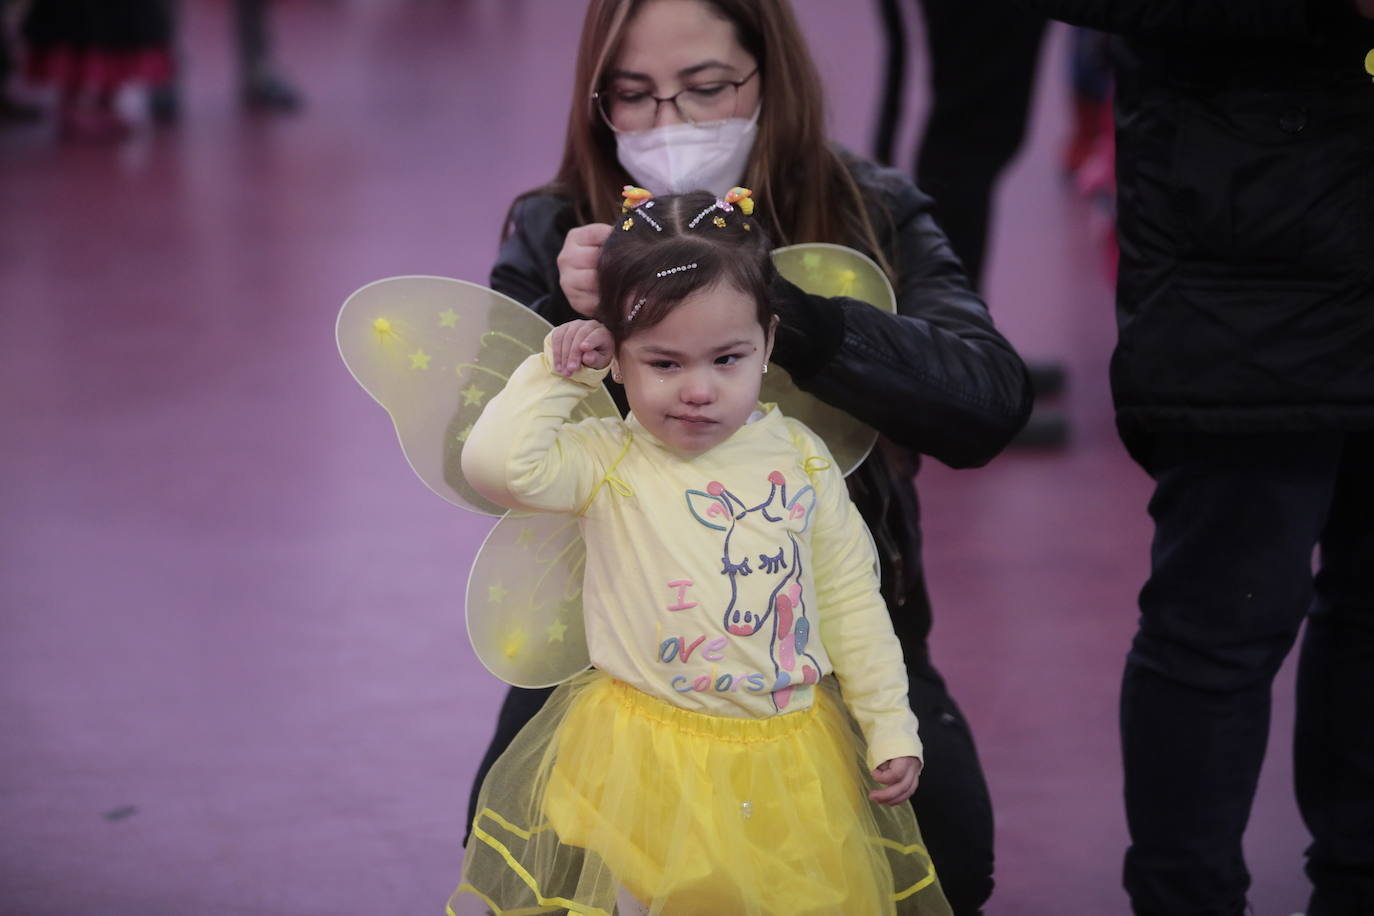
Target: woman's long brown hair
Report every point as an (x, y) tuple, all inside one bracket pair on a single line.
[(803, 189)]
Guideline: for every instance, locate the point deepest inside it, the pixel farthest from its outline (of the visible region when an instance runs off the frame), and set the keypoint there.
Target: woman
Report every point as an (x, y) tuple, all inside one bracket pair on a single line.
[(679, 94)]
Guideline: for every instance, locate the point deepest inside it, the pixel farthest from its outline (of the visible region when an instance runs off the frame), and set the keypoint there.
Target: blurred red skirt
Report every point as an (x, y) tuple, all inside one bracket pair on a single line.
[(98, 44)]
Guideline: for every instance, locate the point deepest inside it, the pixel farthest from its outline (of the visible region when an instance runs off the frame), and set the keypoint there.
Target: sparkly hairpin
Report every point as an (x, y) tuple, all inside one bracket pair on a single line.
[(702, 215), (635, 311), (673, 270), (649, 219)]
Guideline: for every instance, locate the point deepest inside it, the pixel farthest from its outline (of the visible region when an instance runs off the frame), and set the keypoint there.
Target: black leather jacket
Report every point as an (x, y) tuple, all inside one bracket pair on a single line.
[(937, 378)]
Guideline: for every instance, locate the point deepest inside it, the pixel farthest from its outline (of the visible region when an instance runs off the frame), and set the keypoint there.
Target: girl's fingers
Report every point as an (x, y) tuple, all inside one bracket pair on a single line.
[(596, 348), (578, 356), (579, 343), (899, 778), (560, 349)]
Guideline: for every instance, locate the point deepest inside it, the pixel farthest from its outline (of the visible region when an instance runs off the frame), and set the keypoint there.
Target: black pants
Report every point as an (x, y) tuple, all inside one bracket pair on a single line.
[(951, 802), (1231, 582), (983, 55)]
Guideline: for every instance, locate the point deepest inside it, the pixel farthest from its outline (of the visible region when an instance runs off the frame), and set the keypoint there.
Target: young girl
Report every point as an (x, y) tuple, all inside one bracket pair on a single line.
[(705, 763)]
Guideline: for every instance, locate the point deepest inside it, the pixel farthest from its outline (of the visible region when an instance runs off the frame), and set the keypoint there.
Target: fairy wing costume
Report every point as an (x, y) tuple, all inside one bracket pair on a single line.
[(433, 350)]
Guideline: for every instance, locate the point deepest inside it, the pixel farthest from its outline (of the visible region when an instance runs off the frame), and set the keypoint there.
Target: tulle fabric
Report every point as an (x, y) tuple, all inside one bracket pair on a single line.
[(609, 790)]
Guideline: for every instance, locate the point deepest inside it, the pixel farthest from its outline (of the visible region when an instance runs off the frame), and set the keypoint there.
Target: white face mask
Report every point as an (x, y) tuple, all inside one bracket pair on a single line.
[(683, 157)]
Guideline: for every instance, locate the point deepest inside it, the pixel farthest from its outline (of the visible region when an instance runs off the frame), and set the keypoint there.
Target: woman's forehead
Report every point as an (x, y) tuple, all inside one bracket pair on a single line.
[(672, 39)]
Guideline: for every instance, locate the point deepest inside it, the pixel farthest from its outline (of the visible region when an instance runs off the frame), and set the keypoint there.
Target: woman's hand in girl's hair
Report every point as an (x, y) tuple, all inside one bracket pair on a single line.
[(581, 343), (577, 266), (900, 776)]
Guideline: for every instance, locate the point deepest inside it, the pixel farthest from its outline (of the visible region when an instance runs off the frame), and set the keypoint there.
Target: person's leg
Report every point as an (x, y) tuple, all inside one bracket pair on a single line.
[(518, 708), (164, 99), (11, 109), (1334, 739), (894, 80), (983, 56), (1236, 520), (261, 85), (951, 801)]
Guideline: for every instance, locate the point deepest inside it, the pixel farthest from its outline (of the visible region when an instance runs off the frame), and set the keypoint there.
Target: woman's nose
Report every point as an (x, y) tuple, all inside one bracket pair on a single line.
[(667, 113)]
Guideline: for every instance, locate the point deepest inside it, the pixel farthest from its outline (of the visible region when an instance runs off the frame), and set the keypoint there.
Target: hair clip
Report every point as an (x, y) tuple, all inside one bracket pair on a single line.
[(629, 221), (741, 196), (635, 311), (673, 270), (702, 215), (719, 222), (649, 219), (633, 197)]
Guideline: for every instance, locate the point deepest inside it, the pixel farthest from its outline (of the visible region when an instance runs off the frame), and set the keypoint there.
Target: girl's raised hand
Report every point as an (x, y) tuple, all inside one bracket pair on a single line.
[(581, 343), (577, 266), (899, 776)]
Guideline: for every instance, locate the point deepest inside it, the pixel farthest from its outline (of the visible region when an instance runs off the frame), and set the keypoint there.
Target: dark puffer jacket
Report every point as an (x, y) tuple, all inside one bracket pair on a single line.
[(937, 378), (1245, 169)]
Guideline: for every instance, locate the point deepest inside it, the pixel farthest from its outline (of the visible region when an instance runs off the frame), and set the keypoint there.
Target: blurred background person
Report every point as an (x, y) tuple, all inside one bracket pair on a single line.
[(90, 50), (13, 109), (262, 86), (983, 58)]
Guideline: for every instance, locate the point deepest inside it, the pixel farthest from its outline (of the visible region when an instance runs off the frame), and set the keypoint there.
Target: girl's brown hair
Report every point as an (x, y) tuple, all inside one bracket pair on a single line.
[(805, 191), (666, 249)]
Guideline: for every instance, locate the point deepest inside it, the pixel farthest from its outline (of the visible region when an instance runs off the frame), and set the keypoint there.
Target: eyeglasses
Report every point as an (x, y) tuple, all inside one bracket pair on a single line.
[(626, 110)]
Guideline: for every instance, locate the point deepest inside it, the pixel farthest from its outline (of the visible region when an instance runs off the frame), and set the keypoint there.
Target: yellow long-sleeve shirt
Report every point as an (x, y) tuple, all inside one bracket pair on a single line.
[(728, 581)]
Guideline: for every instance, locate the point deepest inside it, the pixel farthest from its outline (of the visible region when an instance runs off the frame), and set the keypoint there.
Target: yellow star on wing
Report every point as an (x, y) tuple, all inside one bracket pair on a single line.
[(497, 593), (847, 278), (466, 431), (473, 395), (556, 630), (515, 641), (448, 319), (420, 360), (526, 536)]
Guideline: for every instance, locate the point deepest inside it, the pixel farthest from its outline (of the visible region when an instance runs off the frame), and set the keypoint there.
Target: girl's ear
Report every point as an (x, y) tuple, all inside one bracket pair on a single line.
[(615, 371), (769, 338)]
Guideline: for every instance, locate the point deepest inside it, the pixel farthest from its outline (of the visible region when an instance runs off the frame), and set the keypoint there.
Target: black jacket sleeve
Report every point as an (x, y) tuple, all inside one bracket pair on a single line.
[(1255, 19), (526, 267), (937, 376)]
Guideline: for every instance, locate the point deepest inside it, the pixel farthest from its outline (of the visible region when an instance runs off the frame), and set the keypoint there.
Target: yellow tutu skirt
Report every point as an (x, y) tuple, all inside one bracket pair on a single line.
[(611, 793)]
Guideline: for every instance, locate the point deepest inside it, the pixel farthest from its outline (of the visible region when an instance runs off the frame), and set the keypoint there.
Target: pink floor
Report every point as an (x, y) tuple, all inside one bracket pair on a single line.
[(234, 677)]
